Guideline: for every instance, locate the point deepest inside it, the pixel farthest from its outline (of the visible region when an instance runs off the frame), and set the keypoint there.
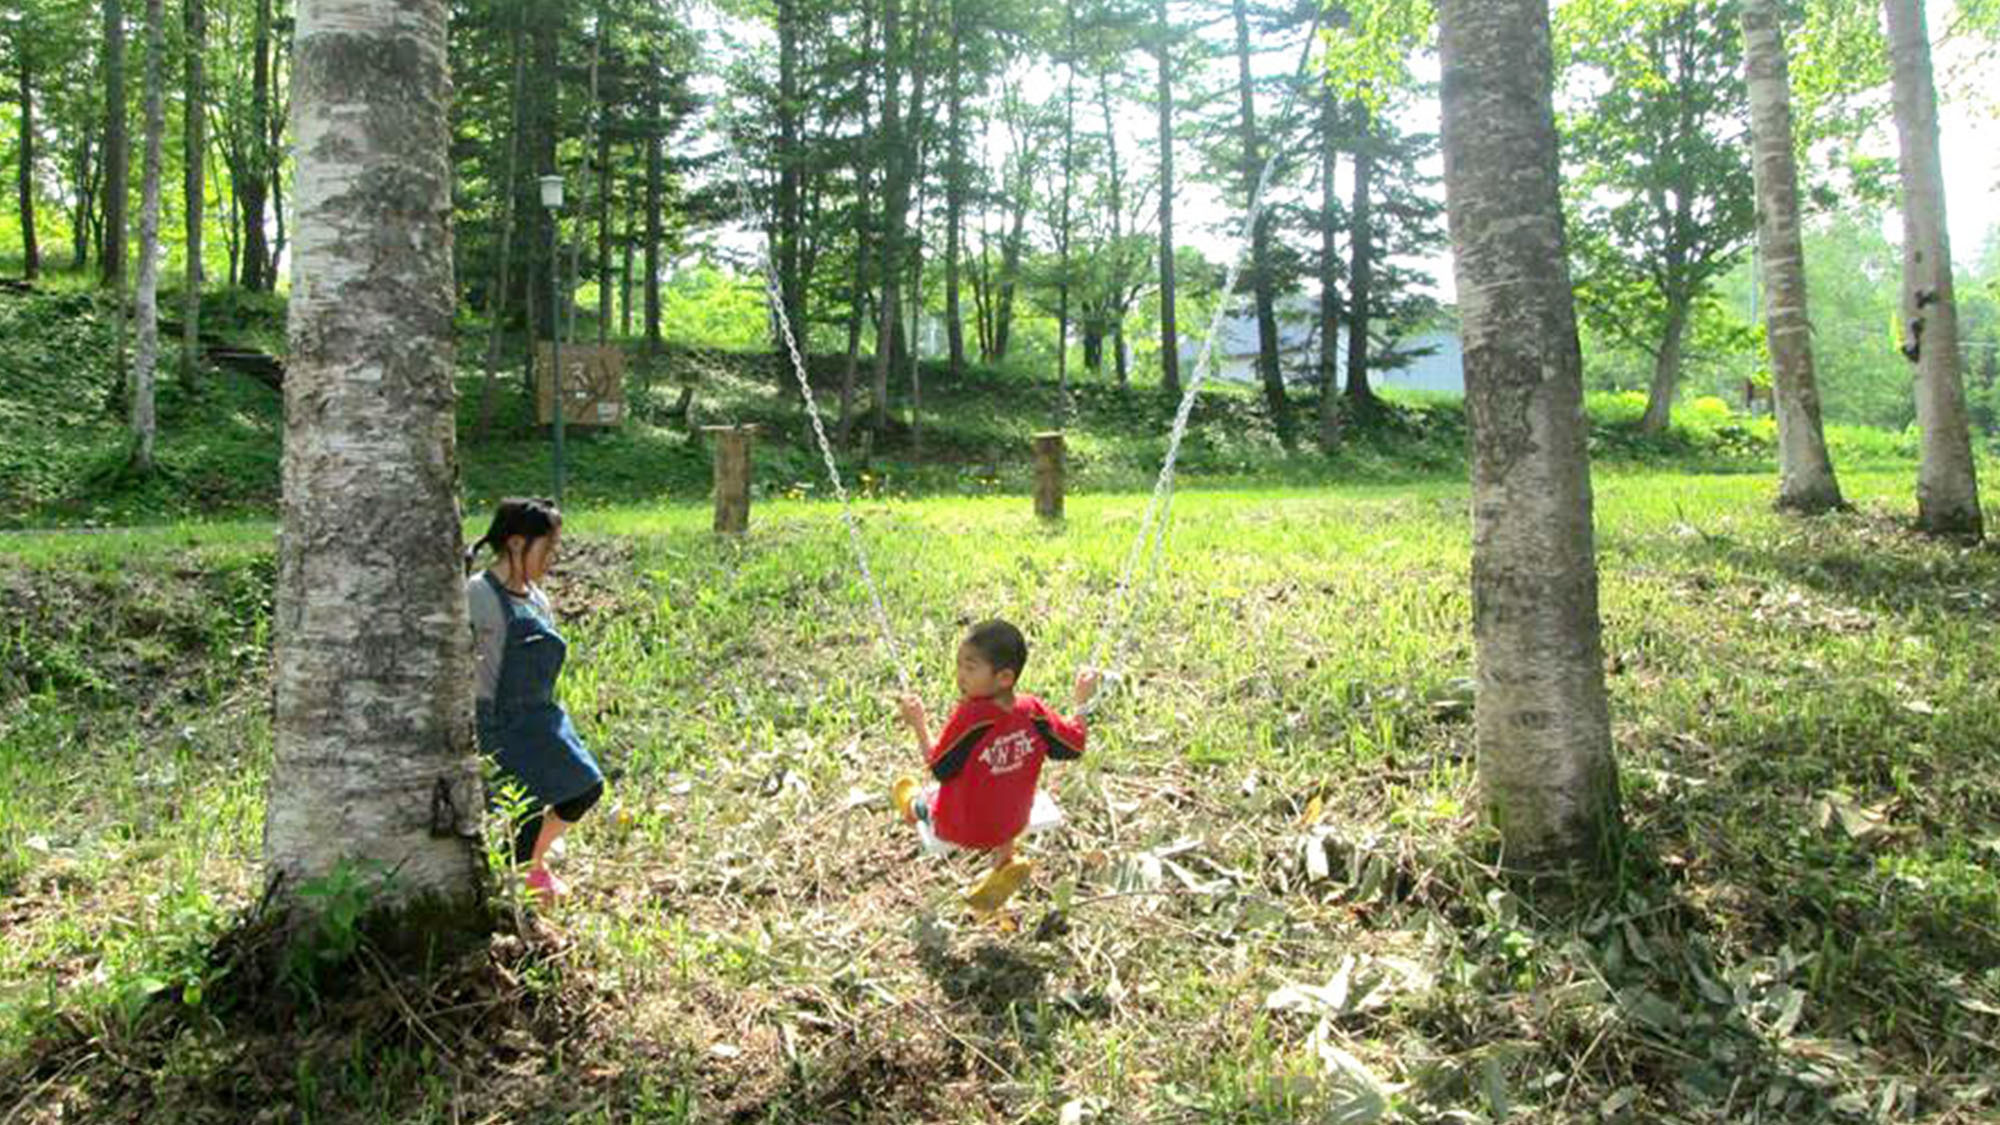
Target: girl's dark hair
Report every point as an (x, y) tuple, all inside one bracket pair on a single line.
[(1001, 644), (529, 519)]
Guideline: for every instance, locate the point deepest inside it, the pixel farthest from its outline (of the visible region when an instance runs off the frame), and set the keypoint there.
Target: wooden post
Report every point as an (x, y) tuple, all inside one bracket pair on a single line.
[(732, 478), (1049, 475)]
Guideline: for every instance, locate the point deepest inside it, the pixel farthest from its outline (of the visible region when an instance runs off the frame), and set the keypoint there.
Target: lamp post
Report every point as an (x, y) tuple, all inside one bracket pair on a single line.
[(552, 198)]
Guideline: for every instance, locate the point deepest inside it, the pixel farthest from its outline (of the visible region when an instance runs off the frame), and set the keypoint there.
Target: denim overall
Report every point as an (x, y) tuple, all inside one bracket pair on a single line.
[(523, 727)]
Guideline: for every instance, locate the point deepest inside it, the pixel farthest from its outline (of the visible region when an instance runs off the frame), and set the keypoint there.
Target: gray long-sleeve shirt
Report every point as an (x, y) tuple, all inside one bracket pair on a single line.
[(489, 629)]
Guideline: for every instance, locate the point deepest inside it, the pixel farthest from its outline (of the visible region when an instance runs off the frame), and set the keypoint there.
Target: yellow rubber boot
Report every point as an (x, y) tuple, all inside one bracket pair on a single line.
[(999, 885), (903, 795)]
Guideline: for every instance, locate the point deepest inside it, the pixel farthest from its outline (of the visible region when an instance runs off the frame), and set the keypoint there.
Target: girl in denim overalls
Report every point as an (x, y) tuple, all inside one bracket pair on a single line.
[(517, 656)]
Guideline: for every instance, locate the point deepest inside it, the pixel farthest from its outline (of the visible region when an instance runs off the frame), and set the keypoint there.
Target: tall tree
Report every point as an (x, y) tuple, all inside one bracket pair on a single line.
[(252, 178), (374, 757), (1805, 473), (194, 144), (1542, 723), (497, 295), (116, 153), (895, 206), (1947, 484), (24, 68), (791, 282), (1361, 271), (1063, 232), (1663, 202), (656, 141), (143, 423), (1262, 281), (601, 146), (1170, 336), (1329, 269), (954, 196)]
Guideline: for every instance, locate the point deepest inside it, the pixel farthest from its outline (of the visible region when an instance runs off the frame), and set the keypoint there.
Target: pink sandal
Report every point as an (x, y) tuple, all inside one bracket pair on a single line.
[(544, 883)]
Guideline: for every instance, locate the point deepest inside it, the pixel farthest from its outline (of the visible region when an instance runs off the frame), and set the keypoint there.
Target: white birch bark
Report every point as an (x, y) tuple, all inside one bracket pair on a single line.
[(1806, 481), (374, 748), (1541, 721), (1947, 484)]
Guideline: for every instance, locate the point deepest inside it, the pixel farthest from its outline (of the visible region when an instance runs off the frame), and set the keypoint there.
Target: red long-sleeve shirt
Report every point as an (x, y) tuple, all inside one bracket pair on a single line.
[(987, 762)]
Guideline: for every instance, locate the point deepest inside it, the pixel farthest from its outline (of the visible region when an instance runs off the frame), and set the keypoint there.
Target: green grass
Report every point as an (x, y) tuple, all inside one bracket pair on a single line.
[(1805, 924)]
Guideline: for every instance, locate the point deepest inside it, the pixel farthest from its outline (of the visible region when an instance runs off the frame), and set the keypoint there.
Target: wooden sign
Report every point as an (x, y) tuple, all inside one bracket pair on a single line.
[(593, 384)]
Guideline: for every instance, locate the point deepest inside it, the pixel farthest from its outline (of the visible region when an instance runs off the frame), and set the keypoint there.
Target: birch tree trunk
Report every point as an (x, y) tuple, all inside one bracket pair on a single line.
[(147, 361), (1541, 723), (1947, 484), (1805, 473), (374, 752)]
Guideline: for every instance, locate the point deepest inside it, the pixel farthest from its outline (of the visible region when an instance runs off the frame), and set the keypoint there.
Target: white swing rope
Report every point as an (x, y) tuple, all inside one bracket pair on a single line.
[(1130, 594), (1114, 647)]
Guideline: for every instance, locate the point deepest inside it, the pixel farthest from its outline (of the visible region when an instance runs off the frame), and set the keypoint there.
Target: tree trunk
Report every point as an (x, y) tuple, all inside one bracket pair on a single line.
[(1063, 234), (791, 284), (1666, 368), (148, 358), (1010, 274), (916, 319), (896, 203), (1113, 321), (374, 757), (1805, 473), (1329, 273), (496, 300), (31, 255), (1541, 723), (117, 156), (655, 200), (603, 137), (544, 46), (1261, 282), (625, 244), (82, 216), (253, 189), (194, 142), (1947, 484), (1170, 336), (954, 205), (863, 240), (1361, 273)]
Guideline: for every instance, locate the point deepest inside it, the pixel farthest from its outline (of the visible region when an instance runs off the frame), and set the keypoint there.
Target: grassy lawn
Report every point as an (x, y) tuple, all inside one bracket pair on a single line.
[(1272, 900)]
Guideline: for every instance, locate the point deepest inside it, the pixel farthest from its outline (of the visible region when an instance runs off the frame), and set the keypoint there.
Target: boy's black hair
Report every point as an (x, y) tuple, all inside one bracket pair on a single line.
[(1001, 644), (529, 519)]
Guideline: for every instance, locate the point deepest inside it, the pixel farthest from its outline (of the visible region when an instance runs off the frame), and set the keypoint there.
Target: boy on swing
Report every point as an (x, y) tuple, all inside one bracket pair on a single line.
[(988, 759)]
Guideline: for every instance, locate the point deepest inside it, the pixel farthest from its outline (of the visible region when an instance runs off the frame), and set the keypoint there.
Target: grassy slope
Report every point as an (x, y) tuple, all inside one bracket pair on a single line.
[(1804, 924), (62, 446)]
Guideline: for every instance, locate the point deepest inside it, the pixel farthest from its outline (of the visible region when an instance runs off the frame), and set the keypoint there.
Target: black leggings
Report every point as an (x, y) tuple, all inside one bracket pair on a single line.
[(572, 810)]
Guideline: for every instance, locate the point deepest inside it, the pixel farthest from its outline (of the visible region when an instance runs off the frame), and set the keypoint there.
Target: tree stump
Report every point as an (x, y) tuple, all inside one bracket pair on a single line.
[(732, 478), (1049, 476)]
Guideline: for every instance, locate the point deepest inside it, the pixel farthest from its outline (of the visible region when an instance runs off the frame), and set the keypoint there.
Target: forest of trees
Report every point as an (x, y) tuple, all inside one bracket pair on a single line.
[(993, 178)]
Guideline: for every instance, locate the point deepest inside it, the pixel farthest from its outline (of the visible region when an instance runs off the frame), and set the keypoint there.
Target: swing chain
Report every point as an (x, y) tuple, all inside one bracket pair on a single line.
[(775, 294), (1130, 594)]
